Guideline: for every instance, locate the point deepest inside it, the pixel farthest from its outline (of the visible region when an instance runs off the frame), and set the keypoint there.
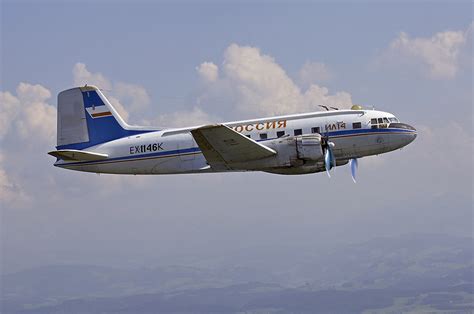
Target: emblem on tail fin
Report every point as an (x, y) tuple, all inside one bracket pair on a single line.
[(98, 111)]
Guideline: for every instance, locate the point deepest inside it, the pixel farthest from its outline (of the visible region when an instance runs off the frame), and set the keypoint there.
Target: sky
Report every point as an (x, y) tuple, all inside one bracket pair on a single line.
[(189, 63)]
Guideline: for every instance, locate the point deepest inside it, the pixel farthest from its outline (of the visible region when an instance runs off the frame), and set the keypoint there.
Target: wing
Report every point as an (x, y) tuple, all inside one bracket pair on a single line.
[(79, 155), (222, 146)]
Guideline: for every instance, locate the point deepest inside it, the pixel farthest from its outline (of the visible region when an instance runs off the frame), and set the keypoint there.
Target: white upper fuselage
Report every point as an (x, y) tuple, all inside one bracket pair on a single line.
[(355, 134)]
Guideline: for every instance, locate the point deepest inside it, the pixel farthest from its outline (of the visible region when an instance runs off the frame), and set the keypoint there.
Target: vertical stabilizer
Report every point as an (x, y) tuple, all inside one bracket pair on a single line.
[(86, 118)]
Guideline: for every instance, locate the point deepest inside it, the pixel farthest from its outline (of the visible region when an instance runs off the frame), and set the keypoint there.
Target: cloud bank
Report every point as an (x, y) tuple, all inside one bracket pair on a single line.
[(30, 121), (438, 56), (254, 83), (314, 72)]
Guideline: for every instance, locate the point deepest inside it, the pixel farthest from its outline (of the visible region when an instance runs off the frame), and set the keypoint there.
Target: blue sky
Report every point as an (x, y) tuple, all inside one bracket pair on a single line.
[(151, 56), (158, 45)]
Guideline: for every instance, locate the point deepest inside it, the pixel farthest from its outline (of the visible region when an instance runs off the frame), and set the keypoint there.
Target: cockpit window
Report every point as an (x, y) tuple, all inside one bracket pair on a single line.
[(393, 119), (379, 122)]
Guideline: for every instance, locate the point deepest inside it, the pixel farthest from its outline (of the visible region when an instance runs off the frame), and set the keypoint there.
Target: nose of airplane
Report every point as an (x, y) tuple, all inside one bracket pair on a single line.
[(406, 134), (411, 135)]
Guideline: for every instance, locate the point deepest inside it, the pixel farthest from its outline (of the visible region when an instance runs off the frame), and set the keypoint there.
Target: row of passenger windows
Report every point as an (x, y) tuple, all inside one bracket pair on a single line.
[(296, 132)]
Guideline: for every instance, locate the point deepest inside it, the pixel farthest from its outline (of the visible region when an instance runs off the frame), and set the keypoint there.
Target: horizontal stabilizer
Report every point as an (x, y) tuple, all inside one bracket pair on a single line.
[(77, 155), (222, 146)]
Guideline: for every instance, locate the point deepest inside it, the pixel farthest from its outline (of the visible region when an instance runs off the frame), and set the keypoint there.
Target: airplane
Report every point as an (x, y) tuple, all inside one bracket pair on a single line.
[(92, 137)]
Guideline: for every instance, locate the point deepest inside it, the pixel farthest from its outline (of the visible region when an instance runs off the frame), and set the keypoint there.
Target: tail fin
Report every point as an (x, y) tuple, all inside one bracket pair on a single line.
[(86, 118)]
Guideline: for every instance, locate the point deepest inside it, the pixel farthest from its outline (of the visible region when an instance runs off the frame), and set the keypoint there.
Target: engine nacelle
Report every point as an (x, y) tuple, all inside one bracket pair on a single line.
[(303, 147), (293, 152), (309, 147)]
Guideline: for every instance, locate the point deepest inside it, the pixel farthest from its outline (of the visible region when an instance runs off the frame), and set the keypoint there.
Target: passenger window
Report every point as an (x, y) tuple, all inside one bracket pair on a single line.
[(315, 129), (263, 136), (356, 125), (380, 120), (373, 121), (280, 133), (298, 132), (248, 135)]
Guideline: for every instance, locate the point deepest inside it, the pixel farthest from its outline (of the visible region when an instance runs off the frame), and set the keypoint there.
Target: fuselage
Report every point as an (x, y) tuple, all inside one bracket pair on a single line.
[(355, 134)]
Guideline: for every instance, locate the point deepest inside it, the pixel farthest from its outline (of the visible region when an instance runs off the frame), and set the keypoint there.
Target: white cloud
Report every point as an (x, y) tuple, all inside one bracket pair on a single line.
[(29, 113), (263, 86), (254, 83), (36, 117), (314, 72), (9, 105), (208, 71), (28, 119), (10, 191), (136, 96), (316, 95), (82, 76), (119, 107), (438, 56)]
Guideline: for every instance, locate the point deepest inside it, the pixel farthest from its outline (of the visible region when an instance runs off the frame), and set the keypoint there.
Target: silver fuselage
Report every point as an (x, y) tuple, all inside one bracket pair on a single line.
[(174, 151)]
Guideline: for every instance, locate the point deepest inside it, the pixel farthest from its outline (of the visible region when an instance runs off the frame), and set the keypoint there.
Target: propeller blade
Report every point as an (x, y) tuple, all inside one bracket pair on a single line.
[(354, 164), (329, 159), (333, 158)]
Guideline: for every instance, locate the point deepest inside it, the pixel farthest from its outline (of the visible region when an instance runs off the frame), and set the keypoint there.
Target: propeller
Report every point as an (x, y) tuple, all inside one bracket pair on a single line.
[(354, 164), (329, 159)]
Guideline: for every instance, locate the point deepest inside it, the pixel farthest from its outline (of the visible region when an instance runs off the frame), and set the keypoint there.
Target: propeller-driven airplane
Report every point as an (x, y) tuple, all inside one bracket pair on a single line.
[(92, 137)]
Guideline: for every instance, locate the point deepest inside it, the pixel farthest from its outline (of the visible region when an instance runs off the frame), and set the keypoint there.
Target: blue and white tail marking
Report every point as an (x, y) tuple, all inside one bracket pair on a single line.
[(86, 118)]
